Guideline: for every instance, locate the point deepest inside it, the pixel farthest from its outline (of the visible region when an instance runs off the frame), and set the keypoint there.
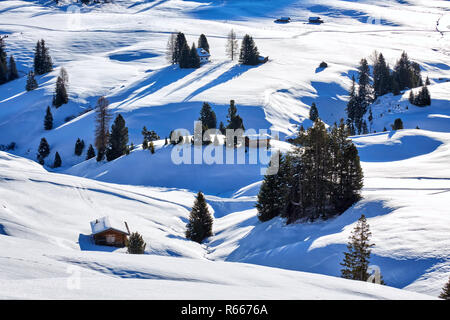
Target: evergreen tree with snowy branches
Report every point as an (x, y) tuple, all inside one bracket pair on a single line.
[(356, 259), (200, 222)]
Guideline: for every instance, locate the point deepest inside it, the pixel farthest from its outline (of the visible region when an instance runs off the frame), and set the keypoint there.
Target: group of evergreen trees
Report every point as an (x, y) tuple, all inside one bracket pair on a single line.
[(422, 98), (79, 147), (8, 69), (179, 52), (406, 74), (110, 144), (149, 137), (44, 151), (43, 64), (320, 179), (249, 54)]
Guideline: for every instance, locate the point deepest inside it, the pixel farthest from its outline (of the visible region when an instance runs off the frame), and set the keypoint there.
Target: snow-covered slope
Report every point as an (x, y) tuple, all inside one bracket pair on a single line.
[(118, 50), (45, 251)]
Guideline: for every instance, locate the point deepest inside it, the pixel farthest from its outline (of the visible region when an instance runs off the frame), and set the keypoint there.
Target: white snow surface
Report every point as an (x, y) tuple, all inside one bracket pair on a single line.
[(117, 50)]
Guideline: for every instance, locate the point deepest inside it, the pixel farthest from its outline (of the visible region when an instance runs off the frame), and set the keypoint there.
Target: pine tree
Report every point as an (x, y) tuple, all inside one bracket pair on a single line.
[(90, 153), (222, 128), (402, 71), (60, 97), (234, 120), (356, 260), (200, 222), (42, 60), (427, 82), (381, 77), (57, 162), (48, 120), (365, 96), (194, 58), (203, 42), (180, 44), (352, 104), (271, 194), (185, 57), (445, 294), (398, 124), (118, 139), (412, 97), (12, 70), (313, 112), (31, 82), (79, 147), (208, 116), (102, 119), (3, 62), (232, 45), (423, 98), (249, 52), (136, 244), (43, 151)]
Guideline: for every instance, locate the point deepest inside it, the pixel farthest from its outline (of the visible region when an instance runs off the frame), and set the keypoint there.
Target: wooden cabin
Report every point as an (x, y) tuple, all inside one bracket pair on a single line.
[(316, 20), (203, 55), (257, 141), (107, 232), (283, 20)]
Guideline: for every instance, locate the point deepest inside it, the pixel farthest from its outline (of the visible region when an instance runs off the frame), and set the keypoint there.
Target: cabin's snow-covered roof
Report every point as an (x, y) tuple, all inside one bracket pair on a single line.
[(315, 18), (202, 52), (102, 224)]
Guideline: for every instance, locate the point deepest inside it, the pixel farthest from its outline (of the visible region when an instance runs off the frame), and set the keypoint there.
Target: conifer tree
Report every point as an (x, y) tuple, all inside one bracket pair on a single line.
[(352, 105), (222, 128), (249, 52), (136, 244), (3, 61), (180, 44), (234, 120), (31, 82), (271, 195), (79, 147), (445, 294), (48, 120), (208, 116), (194, 58), (90, 153), (232, 47), (57, 162), (423, 98), (398, 124), (102, 119), (43, 151), (402, 71), (118, 139), (381, 77), (427, 82), (42, 60), (60, 97), (203, 42), (200, 222), (313, 112), (12, 69), (356, 259)]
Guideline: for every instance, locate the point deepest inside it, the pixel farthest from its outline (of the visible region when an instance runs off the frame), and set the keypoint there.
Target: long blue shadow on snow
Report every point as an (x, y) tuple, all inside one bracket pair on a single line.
[(2, 230), (86, 244), (290, 247), (407, 147), (154, 82), (232, 73)]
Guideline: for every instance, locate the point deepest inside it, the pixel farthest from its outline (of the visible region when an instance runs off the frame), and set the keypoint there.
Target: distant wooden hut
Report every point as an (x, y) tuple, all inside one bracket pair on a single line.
[(315, 20), (283, 20), (257, 140), (108, 232)]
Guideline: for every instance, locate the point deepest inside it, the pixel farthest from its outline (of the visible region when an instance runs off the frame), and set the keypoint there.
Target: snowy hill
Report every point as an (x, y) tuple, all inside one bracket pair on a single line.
[(44, 225), (118, 50)]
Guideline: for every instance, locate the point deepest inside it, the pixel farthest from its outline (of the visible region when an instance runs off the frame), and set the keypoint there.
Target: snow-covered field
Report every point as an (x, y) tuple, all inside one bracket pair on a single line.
[(118, 50)]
